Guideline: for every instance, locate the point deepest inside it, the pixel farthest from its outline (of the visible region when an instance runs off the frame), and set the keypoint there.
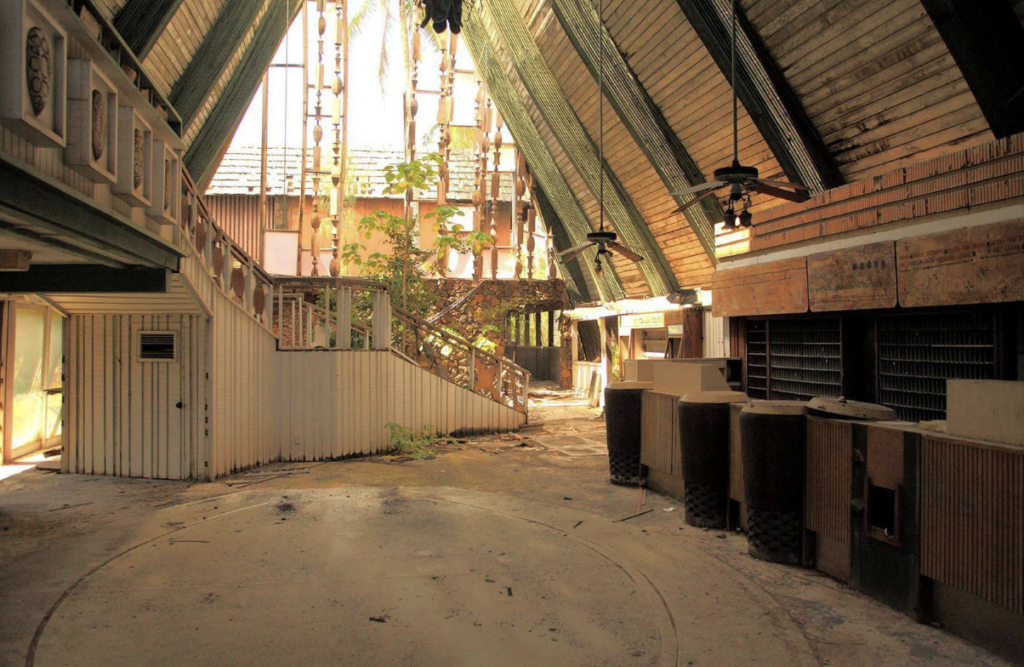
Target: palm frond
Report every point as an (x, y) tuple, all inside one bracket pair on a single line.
[(385, 61), (359, 19)]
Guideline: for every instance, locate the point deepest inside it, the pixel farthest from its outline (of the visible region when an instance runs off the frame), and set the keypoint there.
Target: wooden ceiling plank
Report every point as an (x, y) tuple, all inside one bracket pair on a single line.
[(570, 222), (501, 18), (219, 46), (141, 22), (765, 94)]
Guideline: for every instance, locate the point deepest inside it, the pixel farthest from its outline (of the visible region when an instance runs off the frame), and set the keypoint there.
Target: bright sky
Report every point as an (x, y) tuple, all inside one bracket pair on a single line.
[(374, 118)]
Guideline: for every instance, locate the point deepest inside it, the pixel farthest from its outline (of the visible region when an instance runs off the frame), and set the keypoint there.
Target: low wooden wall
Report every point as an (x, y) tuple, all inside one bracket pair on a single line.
[(337, 403), (660, 450)]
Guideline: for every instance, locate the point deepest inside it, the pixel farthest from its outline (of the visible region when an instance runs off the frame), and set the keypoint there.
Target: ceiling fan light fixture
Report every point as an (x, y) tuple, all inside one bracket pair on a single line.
[(729, 219), (746, 219)]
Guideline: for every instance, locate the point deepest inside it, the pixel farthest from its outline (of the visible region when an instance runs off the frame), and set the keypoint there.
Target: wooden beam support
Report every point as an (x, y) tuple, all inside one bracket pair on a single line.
[(564, 213), (510, 35), (986, 40), (639, 114), (141, 22), (209, 145), (765, 93), (214, 54), (54, 213), (84, 279)]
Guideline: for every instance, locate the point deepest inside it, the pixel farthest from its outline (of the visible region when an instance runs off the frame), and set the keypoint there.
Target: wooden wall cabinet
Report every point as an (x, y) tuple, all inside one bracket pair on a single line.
[(33, 73), (92, 123), (164, 206), (135, 155)]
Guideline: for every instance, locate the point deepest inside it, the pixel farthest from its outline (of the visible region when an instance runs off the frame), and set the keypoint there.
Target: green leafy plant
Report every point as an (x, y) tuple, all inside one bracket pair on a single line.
[(404, 265), (418, 444)]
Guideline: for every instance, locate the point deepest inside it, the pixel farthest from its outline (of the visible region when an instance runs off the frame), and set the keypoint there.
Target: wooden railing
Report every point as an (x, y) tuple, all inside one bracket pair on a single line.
[(306, 313), (451, 356)]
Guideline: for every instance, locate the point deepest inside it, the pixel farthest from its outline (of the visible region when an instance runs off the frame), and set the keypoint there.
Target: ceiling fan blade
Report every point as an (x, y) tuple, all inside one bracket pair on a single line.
[(625, 252), (700, 187), (779, 192), (571, 253), (697, 199), (782, 184)]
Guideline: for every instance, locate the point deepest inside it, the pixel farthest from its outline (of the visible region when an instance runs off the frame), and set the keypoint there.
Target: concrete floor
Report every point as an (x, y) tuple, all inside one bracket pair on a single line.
[(504, 552)]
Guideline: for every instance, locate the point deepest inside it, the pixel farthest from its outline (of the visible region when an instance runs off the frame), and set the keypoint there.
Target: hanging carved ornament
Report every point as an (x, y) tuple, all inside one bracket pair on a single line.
[(442, 170), (201, 236), (218, 259), (497, 139), (99, 124), (520, 187), (38, 69), (139, 160), (477, 198), (447, 135), (238, 282), (259, 300), (335, 267), (414, 106), (168, 184)]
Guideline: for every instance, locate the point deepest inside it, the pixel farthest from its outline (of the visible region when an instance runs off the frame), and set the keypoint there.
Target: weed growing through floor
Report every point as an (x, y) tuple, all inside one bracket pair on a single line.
[(421, 444)]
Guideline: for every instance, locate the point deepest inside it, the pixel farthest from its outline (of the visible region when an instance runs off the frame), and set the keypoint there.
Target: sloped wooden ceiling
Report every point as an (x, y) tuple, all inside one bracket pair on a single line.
[(207, 58), (840, 91)]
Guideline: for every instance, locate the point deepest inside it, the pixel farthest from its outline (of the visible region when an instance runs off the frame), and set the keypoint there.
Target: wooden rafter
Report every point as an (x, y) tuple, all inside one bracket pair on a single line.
[(510, 34), (569, 216), (141, 22), (986, 40), (218, 47), (206, 150), (639, 114), (764, 91)]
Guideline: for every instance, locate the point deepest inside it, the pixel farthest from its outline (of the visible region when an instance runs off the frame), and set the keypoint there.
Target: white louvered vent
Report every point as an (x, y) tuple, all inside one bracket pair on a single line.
[(158, 345)]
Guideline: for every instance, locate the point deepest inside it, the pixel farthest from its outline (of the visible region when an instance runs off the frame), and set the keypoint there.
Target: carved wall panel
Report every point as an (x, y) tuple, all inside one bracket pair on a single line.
[(164, 206), (135, 155), (92, 147), (33, 73)]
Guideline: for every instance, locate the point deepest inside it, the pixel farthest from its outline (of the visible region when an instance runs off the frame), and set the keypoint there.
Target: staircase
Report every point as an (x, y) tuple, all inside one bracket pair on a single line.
[(324, 313)]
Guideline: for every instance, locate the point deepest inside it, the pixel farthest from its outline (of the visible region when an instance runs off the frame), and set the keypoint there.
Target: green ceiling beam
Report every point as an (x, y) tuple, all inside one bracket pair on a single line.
[(218, 47), (509, 32), (569, 216), (576, 283), (766, 95), (209, 145), (141, 22), (639, 114)]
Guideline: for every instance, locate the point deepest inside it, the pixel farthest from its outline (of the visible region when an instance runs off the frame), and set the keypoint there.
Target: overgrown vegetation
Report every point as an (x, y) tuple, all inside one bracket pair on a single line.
[(404, 265), (421, 444)]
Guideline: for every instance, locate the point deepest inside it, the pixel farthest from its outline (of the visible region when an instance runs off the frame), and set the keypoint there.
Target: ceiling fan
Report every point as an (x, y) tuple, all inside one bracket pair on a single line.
[(739, 179), (607, 243)]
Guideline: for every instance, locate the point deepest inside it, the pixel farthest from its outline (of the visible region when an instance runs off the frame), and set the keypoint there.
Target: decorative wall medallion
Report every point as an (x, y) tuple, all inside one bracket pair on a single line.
[(38, 69), (201, 236), (99, 124), (259, 300), (168, 184), (139, 163), (238, 282)]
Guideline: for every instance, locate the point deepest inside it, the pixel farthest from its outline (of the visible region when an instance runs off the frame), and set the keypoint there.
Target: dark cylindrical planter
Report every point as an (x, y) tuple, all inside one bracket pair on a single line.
[(623, 411), (704, 439), (773, 439)]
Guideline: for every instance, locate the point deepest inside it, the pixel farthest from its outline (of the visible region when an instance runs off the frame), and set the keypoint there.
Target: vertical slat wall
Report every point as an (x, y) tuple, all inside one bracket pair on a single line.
[(828, 478), (659, 448), (243, 395), (715, 344), (335, 403), (122, 416), (239, 217), (972, 519)]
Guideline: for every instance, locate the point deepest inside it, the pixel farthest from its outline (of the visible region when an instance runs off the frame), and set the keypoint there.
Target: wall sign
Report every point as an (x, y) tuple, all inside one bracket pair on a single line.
[(853, 279), (642, 321), (964, 266), (773, 288)]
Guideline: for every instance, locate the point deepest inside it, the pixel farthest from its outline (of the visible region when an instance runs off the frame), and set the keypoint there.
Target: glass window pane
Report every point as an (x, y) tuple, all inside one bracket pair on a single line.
[(29, 399)]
